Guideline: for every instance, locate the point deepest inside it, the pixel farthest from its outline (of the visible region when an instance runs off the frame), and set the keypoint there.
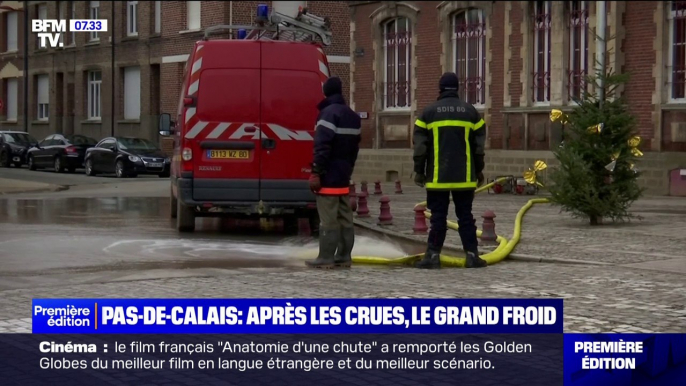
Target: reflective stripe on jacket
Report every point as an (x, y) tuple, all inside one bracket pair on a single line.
[(449, 140), (336, 145)]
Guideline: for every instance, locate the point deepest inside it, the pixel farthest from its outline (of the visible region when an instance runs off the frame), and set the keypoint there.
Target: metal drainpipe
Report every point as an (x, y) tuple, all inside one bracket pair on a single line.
[(26, 66), (601, 47), (113, 68)]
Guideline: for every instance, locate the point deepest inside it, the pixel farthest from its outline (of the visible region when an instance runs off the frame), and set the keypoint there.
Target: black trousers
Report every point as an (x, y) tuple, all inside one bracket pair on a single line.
[(438, 202)]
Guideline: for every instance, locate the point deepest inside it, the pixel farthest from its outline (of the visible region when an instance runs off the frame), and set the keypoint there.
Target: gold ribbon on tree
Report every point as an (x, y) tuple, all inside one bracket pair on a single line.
[(558, 115), (531, 176), (596, 129), (633, 143)]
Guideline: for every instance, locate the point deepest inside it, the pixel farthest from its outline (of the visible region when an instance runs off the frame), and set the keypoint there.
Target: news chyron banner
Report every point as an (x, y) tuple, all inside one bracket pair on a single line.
[(328, 342)]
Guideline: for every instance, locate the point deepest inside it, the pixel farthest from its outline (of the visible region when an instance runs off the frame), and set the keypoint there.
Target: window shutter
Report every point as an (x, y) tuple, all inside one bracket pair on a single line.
[(193, 14), (288, 8), (12, 31), (43, 89), (12, 96), (132, 93)]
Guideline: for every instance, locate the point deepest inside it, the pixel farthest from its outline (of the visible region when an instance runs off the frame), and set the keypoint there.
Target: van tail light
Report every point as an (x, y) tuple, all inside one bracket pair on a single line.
[(71, 150), (187, 154), (186, 157), (187, 101)]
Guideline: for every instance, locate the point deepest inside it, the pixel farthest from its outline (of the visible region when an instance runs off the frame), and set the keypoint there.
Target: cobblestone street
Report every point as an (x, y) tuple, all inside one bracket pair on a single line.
[(63, 247), (547, 233), (597, 299)]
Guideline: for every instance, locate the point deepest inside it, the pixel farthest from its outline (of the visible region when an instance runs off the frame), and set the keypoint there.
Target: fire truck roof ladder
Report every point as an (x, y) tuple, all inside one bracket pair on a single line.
[(303, 28)]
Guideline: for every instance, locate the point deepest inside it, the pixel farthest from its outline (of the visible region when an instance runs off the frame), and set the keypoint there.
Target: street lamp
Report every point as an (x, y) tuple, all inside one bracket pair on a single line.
[(26, 59)]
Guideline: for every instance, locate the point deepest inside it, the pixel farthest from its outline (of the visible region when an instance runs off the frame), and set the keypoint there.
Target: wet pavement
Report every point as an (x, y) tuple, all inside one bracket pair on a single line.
[(78, 177), (117, 241), (109, 237), (547, 232)]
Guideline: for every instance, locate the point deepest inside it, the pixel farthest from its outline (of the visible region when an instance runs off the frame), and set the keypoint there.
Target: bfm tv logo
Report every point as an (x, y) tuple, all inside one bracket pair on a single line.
[(49, 30), (43, 26)]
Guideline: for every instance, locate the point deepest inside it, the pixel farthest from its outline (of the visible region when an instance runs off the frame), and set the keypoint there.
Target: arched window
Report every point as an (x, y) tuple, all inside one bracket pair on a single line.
[(578, 50), (397, 46), (541, 20), (677, 50), (469, 53)]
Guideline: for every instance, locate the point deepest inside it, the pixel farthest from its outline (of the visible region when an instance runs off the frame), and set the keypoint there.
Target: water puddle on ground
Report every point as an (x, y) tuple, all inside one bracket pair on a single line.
[(365, 245), (101, 234)]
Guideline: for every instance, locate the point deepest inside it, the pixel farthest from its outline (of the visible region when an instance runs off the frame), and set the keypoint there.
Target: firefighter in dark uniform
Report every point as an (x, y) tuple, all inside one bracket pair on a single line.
[(449, 140), (336, 145)]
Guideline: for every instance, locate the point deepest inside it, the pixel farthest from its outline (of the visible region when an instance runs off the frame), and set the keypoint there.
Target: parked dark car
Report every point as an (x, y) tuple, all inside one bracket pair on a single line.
[(126, 157), (60, 152), (13, 147)]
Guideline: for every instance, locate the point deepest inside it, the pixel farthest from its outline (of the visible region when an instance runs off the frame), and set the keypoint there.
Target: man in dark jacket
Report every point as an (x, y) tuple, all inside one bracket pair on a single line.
[(336, 145), (449, 140)]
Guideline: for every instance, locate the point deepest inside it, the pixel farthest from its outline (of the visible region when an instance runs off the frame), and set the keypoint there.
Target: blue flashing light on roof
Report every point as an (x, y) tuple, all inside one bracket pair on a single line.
[(262, 12), (242, 34)]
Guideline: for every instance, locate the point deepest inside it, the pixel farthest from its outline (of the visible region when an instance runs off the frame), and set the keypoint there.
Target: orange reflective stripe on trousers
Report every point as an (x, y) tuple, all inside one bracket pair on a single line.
[(334, 191)]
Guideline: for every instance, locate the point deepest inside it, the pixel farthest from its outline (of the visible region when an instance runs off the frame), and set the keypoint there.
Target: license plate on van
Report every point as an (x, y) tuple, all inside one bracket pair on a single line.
[(228, 154)]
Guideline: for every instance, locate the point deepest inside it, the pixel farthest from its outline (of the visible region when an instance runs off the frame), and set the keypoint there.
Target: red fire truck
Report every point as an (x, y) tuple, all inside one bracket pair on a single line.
[(244, 130)]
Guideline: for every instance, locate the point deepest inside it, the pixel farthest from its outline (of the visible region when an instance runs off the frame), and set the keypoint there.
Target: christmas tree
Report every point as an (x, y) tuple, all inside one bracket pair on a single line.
[(596, 177)]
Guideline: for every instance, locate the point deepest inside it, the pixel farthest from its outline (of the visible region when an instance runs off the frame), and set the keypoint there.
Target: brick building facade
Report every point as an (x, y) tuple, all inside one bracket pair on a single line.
[(516, 60), (71, 89)]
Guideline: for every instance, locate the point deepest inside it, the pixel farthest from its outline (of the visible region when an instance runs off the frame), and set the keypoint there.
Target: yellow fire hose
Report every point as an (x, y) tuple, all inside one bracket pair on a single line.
[(504, 248)]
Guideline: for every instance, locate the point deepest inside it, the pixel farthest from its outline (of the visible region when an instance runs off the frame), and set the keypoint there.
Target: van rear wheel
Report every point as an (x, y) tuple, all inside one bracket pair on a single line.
[(185, 217), (290, 225), (173, 202)]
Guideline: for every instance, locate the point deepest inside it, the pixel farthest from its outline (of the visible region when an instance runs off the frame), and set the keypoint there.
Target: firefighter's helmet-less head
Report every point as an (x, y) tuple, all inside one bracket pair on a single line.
[(449, 81)]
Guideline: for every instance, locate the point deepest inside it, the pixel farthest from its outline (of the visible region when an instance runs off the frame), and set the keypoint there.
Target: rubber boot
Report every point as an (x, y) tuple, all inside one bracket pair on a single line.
[(431, 260), (474, 261), (343, 258), (328, 242)]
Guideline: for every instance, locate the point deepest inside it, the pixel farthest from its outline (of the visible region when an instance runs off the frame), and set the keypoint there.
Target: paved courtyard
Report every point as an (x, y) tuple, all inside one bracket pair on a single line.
[(597, 299), (57, 245), (546, 233)]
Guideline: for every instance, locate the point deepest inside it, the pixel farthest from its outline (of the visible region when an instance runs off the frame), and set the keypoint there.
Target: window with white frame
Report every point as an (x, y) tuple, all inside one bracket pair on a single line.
[(94, 85), (12, 99), (42, 14), (72, 6), (132, 18), (12, 31), (60, 16), (132, 93), (94, 12), (397, 47), (193, 15), (158, 17), (677, 51), (469, 54), (43, 96), (541, 19), (578, 50)]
